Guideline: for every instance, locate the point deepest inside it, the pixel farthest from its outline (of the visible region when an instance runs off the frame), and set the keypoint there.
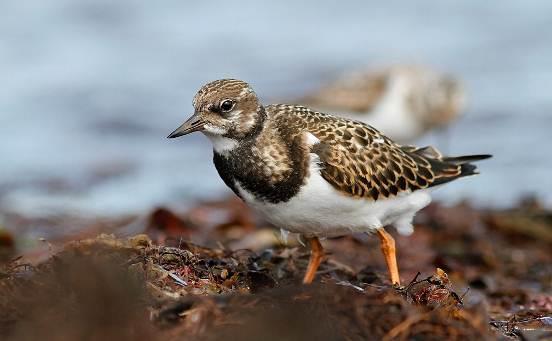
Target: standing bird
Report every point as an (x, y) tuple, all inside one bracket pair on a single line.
[(317, 174), (403, 101)]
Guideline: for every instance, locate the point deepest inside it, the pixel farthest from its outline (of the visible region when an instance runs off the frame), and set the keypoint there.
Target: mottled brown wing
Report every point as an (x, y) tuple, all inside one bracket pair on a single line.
[(358, 160), (373, 169)]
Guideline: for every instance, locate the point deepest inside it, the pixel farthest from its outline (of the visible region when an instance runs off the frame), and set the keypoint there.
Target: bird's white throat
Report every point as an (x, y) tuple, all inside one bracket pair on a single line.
[(220, 143)]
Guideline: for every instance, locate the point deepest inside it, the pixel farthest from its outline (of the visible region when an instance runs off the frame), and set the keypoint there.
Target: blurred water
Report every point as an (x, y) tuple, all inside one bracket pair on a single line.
[(92, 87)]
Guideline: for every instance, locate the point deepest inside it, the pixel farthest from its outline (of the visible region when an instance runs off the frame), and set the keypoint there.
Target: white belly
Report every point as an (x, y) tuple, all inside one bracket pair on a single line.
[(320, 210)]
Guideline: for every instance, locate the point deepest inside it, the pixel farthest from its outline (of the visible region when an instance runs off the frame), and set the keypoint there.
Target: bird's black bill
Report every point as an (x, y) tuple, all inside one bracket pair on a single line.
[(194, 123)]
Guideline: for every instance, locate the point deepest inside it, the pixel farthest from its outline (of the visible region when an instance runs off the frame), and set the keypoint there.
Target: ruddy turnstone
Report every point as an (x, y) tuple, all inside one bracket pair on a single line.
[(317, 174), (403, 101)]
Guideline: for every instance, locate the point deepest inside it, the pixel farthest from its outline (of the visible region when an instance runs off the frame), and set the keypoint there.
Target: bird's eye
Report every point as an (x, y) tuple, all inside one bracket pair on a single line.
[(226, 105)]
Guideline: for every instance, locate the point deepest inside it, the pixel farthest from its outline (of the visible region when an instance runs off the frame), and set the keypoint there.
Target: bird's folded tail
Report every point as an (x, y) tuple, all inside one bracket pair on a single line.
[(460, 160), (448, 168), (466, 167)]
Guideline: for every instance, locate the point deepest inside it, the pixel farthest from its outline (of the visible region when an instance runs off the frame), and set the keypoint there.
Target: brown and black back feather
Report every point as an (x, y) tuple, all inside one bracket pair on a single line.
[(358, 160)]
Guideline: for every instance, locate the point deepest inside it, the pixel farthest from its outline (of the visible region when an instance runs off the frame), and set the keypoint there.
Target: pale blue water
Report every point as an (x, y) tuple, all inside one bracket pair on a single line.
[(90, 89)]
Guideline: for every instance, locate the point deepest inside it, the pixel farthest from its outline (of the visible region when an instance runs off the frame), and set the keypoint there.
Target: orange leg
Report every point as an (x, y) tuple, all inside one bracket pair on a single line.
[(317, 252), (388, 249)]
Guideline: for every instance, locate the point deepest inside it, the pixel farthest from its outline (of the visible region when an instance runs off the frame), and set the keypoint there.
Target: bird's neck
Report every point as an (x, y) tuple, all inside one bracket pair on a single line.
[(254, 129), (269, 166)]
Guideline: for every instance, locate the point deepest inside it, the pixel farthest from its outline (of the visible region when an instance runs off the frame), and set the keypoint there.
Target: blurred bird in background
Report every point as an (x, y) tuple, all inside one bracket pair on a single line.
[(403, 101)]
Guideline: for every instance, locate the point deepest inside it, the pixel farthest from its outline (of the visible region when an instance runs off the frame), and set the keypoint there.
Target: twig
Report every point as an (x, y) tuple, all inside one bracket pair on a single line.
[(340, 266), (349, 284), (177, 279)]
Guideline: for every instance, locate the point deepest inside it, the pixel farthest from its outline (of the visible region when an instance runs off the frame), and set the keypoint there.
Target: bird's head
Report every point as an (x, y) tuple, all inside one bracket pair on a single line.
[(224, 109)]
